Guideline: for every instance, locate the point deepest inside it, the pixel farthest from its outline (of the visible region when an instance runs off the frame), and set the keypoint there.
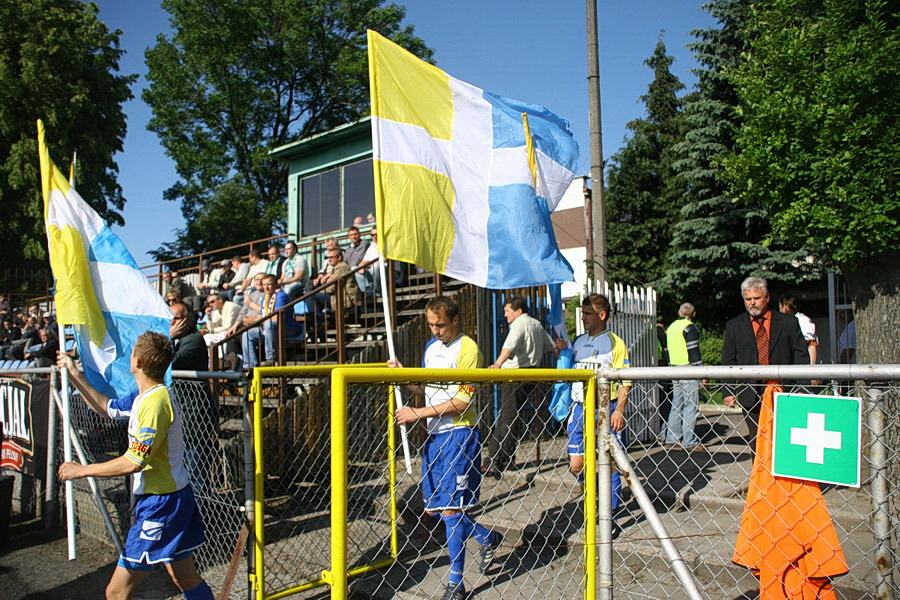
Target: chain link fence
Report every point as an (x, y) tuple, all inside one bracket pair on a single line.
[(368, 513), (216, 431)]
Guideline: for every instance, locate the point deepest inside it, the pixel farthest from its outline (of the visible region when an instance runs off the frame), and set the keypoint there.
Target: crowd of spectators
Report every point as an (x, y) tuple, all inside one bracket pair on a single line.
[(233, 294), (30, 336)]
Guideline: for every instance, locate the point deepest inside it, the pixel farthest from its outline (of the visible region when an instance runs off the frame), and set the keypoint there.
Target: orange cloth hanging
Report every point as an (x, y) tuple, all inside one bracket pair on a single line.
[(786, 535)]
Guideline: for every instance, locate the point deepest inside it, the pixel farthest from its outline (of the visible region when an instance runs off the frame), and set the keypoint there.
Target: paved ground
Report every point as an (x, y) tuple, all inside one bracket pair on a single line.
[(699, 497)]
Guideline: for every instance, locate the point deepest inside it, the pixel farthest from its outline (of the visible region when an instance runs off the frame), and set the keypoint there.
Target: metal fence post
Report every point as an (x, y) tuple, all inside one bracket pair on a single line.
[(50, 511), (249, 474), (881, 517), (604, 478)]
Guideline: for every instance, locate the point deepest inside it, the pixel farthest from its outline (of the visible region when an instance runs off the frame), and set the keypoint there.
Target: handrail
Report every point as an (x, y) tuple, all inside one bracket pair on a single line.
[(337, 283)]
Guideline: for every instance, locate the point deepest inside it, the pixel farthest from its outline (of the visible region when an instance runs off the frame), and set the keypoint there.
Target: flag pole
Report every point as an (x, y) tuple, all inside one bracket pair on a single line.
[(389, 332), (95, 488), (67, 446)]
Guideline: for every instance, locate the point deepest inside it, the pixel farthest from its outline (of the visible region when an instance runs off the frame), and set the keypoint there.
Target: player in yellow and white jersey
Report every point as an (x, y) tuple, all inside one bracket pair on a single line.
[(168, 527), (451, 456)]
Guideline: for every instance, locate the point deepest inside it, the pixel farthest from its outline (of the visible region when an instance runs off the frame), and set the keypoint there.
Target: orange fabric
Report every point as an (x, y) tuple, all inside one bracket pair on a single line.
[(786, 533)]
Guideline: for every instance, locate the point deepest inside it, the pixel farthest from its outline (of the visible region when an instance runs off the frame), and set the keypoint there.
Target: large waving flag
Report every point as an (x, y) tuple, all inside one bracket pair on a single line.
[(461, 186), (99, 288)]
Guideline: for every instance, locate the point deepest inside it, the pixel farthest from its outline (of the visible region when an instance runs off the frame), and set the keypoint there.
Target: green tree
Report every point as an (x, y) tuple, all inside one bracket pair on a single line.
[(642, 186), (237, 79), (717, 242), (58, 62)]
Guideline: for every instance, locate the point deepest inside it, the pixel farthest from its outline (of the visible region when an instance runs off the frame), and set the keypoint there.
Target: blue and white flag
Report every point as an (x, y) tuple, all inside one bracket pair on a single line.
[(99, 288), (465, 180)]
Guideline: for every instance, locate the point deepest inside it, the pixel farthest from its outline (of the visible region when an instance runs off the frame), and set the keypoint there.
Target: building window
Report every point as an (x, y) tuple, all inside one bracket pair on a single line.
[(331, 200)]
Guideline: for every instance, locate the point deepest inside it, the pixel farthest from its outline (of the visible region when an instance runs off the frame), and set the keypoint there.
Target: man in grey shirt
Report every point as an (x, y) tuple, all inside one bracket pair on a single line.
[(525, 347)]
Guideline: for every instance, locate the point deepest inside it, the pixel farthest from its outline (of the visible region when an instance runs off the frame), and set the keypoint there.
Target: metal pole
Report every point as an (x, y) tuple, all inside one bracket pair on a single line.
[(597, 208), (338, 576), (881, 516), (95, 489), (604, 499), (249, 470), (50, 512), (67, 450), (684, 575)]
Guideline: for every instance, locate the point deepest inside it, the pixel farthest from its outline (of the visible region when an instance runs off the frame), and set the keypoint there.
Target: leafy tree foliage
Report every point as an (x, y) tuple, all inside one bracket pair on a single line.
[(820, 146), (58, 62), (819, 141), (643, 189), (237, 79), (717, 242)]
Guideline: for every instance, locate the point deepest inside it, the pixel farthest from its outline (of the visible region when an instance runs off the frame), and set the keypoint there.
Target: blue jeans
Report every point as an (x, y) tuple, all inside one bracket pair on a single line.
[(683, 416), (250, 342)]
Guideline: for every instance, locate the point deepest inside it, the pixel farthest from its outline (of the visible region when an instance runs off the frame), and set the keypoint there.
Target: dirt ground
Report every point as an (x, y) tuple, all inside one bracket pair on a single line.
[(34, 565)]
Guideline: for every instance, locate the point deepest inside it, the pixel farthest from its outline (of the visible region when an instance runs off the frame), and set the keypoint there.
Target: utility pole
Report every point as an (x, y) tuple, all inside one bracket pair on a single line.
[(598, 212)]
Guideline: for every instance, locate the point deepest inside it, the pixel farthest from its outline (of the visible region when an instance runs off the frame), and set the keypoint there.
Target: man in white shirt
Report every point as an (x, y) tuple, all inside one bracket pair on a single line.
[(525, 347)]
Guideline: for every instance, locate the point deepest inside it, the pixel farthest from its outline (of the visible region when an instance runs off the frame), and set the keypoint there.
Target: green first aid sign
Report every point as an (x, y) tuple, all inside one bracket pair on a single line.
[(817, 438)]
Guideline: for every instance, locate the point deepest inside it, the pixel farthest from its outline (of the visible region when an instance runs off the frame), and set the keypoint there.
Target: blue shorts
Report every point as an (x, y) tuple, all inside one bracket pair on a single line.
[(167, 528), (575, 429), (451, 469)]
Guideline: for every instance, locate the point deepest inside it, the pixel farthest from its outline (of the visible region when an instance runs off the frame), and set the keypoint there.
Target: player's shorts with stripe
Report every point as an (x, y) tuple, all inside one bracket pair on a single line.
[(451, 469), (575, 429), (167, 528)]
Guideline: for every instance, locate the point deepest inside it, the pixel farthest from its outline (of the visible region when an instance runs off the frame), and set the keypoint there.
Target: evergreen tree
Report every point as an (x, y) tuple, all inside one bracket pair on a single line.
[(643, 189), (717, 242)]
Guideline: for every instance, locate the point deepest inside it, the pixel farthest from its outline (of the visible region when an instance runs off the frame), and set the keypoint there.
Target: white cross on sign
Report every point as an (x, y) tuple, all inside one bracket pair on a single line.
[(816, 438)]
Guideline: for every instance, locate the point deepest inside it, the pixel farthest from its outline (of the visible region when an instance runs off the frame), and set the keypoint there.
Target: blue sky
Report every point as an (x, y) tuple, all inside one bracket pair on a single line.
[(530, 50)]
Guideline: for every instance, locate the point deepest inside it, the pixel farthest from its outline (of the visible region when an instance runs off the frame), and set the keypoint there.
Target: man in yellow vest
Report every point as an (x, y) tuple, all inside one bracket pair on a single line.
[(683, 342)]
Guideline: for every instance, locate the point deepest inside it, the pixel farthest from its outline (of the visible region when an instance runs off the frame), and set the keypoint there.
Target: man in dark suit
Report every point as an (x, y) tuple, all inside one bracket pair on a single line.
[(760, 336)]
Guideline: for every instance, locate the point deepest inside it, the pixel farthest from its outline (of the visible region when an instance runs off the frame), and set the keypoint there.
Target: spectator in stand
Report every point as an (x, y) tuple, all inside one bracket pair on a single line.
[(49, 322), (175, 284), (276, 260), (370, 218), (190, 351), (30, 337), (354, 253), (209, 278), (325, 271), (250, 305), (358, 221), (274, 299), (4, 306), (257, 265), (44, 354), (221, 315), (294, 272), (238, 273), (9, 333), (18, 318), (372, 276), (227, 274), (318, 302), (35, 311)]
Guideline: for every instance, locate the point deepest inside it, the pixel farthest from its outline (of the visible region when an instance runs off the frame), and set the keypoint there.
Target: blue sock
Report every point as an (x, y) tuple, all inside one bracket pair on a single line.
[(481, 533), (456, 545), (201, 592)]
